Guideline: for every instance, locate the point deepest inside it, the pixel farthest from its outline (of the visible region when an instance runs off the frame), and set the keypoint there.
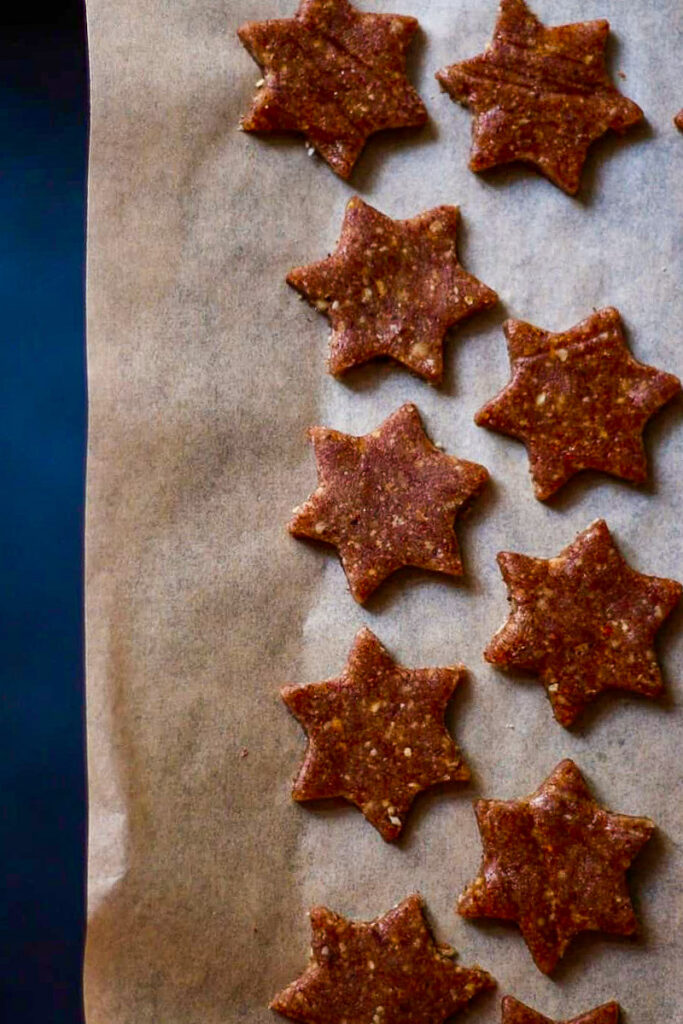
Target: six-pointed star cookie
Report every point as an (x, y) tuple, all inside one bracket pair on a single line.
[(578, 400), (584, 621), (387, 500), (515, 1012), (555, 862), (386, 971), (540, 95), (376, 734), (393, 288), (334, 74)]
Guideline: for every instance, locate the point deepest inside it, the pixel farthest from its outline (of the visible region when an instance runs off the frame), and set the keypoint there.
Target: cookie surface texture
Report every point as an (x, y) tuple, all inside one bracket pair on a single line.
[(539, 95), (335, 74), (387, 500), (578, 400), (555, 863), (386, 971), (393, 288), (376, 734)]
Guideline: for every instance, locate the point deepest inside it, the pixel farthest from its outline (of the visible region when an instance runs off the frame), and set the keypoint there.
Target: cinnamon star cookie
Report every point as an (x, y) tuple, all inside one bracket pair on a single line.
[(584, 622), (578, 400), (393, 288), (334, 74), (386, 971), (387, 500), (376, 734), (515, 1012), (540, 95), (555, 862)]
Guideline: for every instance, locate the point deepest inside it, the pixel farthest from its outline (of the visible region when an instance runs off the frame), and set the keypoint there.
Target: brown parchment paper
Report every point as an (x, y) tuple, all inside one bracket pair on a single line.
[(204, 372)]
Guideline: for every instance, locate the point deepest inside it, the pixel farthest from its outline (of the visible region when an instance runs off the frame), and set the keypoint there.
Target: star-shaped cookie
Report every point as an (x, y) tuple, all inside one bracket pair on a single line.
[(386, 971), (387, 500), (334, 74), (392, 288), (540, 95), (578, 400), (555, 862), (376, 734), (515, 1012), (584, 622)]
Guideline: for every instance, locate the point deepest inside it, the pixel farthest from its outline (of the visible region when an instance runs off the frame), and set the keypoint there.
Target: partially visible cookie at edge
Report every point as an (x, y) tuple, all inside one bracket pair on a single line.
[(539, 95), (386, 971), (515, 1012), (335, 74)]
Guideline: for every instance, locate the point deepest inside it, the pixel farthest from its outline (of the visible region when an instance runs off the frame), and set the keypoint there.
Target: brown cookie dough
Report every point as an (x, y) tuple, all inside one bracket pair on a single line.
[(540, 95), (515, 1012), (376, 734), (555, 862), (678, 120), (387, 500), (335, 75), (578, 400), (393, 288), (584, 622), (386, 971)]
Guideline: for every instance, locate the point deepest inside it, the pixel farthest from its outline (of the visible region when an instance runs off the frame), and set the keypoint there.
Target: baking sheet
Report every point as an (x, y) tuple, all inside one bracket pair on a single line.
[(204, 372)]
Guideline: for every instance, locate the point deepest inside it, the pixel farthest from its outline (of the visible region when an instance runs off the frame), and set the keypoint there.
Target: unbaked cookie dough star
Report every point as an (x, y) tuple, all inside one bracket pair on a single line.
[(387, 500), (393, 288), (584, 622), (540, 95), (334, 74), (578, 400), (376, 734), (515, 1012), (386, 971), (555, 862)]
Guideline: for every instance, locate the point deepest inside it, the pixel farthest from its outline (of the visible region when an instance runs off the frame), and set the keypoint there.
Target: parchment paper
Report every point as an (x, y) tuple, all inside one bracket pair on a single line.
[(204, 373)]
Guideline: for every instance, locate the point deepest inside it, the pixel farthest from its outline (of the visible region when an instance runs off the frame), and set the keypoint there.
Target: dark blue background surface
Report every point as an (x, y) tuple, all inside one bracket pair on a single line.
[(43, 119)]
